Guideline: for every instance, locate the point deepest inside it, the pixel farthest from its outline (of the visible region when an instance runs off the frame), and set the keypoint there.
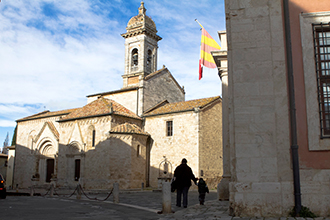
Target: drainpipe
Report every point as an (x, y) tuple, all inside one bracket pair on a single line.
[(137, 101), (293, 124)]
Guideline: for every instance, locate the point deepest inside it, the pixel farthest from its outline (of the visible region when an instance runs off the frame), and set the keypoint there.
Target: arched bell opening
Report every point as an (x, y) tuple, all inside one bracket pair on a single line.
[(149, 61), (135, 59)]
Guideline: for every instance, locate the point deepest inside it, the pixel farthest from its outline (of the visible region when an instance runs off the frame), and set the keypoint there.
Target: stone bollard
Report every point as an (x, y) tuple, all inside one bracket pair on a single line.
[(116, 193), (32, 190), (142, 186), (51, 194), (78, 192), (166, 197)]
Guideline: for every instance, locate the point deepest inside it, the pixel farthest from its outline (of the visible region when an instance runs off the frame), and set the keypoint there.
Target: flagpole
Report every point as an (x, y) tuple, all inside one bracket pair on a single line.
[(199, 23), (200, 60)]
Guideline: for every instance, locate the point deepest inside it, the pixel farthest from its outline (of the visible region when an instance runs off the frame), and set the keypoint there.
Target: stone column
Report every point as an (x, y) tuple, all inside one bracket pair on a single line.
[(166, 197), (220, 58), (116, 193), (223, 186), (78, 195), (51, 194)]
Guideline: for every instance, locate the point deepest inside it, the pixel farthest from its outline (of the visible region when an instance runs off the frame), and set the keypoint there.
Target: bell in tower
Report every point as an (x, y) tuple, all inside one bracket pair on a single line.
[(141, 44)]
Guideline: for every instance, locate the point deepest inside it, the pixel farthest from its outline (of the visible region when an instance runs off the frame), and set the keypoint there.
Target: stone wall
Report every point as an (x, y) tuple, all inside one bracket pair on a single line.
[(3, 165), (261, 175), (210, 144), (26, 149), (139, 163), (10, 168), (99, 164), (161, 87), (183, 144)]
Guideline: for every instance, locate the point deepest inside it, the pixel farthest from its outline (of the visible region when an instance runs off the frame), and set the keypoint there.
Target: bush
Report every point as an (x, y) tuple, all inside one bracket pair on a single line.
[(304, 212)]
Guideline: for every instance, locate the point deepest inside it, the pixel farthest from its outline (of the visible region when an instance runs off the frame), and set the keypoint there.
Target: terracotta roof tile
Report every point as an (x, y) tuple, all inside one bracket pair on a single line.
[(128, 129), (162, 103), (47, 113), (101, 106), (181, 106)]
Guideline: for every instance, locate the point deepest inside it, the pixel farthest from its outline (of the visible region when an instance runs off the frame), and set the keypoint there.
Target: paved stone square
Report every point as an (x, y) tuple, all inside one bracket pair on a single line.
[(133, 205)]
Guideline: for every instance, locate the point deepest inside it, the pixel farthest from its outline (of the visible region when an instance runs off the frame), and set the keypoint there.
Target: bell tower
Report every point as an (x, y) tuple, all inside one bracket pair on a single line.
[(141, 44)]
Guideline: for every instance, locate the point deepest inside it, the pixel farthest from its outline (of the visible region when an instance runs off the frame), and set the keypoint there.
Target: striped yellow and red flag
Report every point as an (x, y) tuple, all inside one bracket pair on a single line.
[(208, 44)]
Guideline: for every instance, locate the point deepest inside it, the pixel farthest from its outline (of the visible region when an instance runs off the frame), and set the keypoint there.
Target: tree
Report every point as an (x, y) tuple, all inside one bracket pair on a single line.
[(5, 144), (13, 142)]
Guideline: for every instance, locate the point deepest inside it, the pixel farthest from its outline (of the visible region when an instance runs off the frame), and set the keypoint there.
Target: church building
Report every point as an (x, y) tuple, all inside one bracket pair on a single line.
[(133, 135)]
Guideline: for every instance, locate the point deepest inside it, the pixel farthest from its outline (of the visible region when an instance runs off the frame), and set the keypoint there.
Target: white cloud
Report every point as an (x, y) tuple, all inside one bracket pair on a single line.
[(7, 123), (57, 61)]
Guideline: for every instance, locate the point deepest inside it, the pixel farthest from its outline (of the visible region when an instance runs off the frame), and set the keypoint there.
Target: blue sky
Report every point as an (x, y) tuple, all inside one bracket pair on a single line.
[(55, 53)]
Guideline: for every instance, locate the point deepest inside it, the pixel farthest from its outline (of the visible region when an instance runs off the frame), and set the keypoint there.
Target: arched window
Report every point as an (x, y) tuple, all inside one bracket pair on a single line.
[(30, 143), (91, 137), (149, 60), (135, 57), (138, 150)]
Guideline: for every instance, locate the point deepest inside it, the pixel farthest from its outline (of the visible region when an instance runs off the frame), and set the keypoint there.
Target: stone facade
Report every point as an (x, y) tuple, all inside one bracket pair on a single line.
[(3, 165), (210, 144), (69, 140), (161, 86), (261, 182), (195, 137), (118, 136), (10, 167)]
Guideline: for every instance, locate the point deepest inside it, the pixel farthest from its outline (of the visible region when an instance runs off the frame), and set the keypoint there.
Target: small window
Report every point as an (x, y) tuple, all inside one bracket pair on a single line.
[(138, 150), (76, 170), (169, 128), (93, 138), (322, 65)]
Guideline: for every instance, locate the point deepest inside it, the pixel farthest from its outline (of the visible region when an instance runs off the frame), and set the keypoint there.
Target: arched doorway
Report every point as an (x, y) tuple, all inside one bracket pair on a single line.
[(46, 161)]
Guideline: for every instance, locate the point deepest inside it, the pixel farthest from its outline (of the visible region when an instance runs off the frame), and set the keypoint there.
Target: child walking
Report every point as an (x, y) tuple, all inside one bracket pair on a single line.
[(202, 190)]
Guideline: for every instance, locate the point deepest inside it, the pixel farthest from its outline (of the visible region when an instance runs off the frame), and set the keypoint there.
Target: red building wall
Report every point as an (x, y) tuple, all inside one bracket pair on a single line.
[(308, 159)]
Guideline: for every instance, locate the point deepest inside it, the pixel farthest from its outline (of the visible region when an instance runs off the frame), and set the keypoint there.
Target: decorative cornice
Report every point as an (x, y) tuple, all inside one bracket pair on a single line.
[(141, 31)]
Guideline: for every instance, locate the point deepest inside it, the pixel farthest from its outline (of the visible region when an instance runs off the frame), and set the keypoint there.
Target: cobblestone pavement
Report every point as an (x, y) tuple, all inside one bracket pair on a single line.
[(132, 206)]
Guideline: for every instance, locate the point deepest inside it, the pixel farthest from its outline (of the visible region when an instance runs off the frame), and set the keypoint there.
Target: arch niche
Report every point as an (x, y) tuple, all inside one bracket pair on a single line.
[(74, 162), (31, 143), (46, 161)]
